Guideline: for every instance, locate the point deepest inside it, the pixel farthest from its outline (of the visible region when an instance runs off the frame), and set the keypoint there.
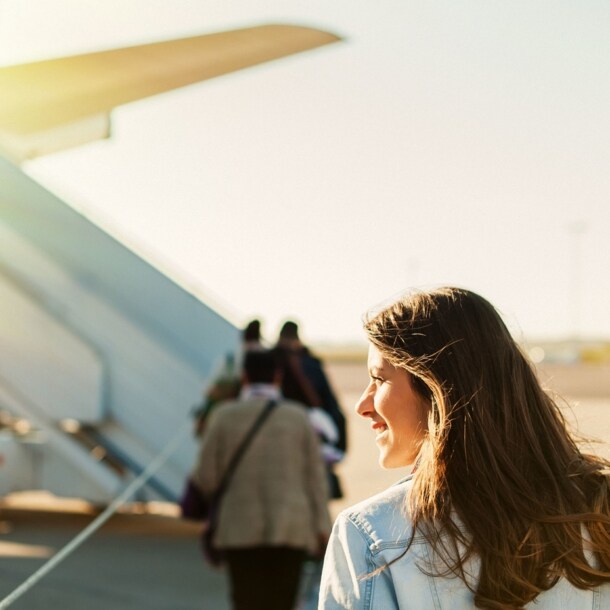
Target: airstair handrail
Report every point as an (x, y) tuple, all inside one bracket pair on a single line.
[(129, 491)]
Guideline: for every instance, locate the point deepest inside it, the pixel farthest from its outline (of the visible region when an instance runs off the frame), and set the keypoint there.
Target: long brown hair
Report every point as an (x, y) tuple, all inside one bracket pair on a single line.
[(497, 454)]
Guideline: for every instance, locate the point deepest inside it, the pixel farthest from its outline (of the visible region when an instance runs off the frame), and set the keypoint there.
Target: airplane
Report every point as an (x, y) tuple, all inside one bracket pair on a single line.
[(102, 355)]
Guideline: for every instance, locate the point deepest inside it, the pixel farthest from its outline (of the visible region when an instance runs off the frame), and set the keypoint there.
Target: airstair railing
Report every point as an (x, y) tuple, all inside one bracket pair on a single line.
[(111, 509)]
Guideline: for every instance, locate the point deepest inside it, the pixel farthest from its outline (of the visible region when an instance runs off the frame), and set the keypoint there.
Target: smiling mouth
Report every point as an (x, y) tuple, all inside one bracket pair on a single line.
[(379, 429)]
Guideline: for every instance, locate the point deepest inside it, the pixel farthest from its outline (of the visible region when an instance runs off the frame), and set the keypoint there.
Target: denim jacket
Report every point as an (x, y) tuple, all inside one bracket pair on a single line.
[(373, 533)]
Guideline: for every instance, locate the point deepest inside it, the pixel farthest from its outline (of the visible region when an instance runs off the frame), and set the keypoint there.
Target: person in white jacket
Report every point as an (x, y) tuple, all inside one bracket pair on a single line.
[(502, 510)]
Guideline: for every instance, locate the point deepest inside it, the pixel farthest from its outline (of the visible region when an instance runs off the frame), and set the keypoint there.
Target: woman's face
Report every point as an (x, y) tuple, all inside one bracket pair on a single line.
[(398, 414)]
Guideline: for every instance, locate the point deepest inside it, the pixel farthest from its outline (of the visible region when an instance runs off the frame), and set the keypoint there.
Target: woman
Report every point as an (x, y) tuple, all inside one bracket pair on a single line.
[(501, 509)]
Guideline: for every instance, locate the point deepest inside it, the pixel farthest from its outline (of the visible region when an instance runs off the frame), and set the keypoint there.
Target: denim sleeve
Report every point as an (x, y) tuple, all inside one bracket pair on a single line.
[(347, 562)]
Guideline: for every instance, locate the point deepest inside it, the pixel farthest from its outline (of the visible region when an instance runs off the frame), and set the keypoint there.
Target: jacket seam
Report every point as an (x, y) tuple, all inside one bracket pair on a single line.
[(432, 584), (377, 546), (370, 583), (597, 599), (371, 567)]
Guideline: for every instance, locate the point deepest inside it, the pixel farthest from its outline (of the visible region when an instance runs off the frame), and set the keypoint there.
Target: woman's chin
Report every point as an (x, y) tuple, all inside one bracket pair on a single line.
[(389, 462)]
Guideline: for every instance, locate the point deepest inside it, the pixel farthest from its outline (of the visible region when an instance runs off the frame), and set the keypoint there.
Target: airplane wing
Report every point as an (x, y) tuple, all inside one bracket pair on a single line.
[(58, 103)]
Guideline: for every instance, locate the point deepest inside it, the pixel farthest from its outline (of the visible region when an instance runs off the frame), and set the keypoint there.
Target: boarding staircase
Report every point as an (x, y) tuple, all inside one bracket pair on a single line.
[(102, 353)]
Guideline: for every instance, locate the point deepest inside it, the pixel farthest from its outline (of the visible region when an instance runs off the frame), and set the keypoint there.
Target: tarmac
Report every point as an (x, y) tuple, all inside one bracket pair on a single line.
[(134, 561), (146, 558)]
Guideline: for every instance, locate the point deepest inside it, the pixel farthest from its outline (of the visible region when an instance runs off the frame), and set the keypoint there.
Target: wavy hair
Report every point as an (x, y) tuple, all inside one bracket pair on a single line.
[(497, 454)]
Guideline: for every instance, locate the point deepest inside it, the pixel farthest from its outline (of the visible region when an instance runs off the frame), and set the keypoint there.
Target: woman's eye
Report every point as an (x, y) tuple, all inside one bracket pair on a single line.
[(377, 380)]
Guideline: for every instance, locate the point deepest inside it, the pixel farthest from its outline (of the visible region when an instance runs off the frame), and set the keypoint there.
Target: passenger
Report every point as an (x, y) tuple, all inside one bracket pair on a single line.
[(252, 340), (227, 382), (295, 384), (274, 510), (304, 380), (502, 510), (313, 370)]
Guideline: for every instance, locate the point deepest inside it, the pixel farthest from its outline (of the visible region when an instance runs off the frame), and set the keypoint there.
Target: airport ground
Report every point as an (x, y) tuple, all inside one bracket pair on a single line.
[(151, 561)]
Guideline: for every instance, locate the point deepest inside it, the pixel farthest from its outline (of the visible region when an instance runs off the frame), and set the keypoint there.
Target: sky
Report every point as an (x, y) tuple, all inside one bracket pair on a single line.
[(441, 142)]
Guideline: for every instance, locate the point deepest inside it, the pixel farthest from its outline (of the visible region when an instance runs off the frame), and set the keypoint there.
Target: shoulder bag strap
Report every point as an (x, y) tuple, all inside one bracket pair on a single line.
[(237, 456)]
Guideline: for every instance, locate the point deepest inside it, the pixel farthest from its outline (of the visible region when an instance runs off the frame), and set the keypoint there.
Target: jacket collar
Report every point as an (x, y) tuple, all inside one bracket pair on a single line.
[(260, 390)]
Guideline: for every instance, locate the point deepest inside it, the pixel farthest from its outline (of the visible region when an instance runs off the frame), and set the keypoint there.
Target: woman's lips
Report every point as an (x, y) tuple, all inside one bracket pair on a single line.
[(379, 428)]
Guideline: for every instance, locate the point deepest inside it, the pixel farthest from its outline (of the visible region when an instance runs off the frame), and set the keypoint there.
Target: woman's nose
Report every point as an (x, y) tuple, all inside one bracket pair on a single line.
[(364, 406)]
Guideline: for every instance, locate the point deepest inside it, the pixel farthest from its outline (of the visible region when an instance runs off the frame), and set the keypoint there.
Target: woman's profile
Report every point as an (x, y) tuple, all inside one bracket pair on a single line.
[(502, 509)]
